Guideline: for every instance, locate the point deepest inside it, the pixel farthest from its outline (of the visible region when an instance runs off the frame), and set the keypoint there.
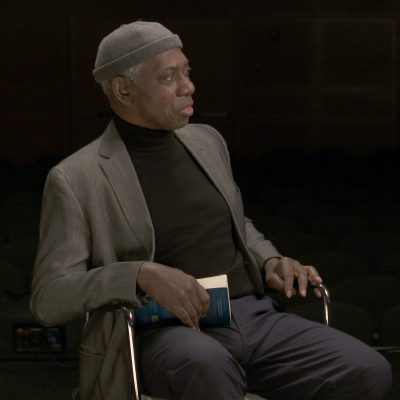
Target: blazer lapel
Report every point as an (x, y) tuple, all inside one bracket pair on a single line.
[(117, 166), (215, 168)]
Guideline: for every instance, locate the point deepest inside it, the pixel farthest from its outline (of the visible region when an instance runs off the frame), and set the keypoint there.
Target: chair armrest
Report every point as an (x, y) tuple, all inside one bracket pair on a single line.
[(326, 297)]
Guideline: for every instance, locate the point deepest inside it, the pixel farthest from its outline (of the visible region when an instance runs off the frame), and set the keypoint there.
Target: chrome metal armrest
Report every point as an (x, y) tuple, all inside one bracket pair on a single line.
[(326, 297), (130, 325)]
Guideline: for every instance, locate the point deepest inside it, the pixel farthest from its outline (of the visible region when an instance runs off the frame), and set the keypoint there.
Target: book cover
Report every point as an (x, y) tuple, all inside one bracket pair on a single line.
[(219, 313)]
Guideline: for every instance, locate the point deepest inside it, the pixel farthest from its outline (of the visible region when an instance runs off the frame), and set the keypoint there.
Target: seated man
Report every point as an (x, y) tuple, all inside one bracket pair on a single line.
[(147, 208)]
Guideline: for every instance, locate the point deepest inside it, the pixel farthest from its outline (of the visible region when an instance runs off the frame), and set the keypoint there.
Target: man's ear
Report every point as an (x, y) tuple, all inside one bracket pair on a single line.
[(122, 89)]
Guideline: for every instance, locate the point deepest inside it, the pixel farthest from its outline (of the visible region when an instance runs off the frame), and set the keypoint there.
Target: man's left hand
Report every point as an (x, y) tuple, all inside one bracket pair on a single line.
[(282, 274)]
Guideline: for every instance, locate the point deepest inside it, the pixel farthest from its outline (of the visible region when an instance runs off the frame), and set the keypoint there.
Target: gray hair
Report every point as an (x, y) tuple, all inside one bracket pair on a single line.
[(131, 73)]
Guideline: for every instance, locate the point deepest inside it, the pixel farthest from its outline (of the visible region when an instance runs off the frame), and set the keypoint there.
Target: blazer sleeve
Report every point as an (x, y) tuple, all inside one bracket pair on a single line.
[(261, 248), (64, 285)]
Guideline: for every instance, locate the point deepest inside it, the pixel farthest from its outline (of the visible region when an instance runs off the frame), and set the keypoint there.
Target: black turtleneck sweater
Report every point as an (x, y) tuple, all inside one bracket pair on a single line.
[(192, 222)]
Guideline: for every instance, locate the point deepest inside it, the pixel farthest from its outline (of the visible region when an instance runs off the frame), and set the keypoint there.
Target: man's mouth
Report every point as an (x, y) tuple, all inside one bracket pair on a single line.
[(187, 110)]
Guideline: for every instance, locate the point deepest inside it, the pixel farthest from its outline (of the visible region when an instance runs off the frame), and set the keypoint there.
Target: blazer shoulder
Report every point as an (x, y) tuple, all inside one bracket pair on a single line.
[(81, 167), (82, 156), (202, 133)]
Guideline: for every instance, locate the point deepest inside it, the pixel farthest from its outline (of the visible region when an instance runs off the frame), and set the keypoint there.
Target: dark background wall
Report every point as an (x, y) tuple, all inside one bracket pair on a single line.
[(305, 93), (303, 75)]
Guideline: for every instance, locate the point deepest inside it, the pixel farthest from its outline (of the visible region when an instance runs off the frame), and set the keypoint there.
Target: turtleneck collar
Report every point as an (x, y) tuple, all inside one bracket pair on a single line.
[(138, 138)]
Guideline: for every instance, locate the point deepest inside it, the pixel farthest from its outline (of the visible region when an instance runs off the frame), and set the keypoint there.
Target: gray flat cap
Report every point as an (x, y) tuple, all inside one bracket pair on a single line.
[(130, 45)]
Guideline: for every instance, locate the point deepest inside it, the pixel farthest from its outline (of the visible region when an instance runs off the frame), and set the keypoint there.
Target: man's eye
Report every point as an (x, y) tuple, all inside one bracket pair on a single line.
[(187, 72), (168, 77)]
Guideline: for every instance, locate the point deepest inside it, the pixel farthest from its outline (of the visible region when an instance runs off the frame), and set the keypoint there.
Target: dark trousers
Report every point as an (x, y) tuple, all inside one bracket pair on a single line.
[(273, 354)]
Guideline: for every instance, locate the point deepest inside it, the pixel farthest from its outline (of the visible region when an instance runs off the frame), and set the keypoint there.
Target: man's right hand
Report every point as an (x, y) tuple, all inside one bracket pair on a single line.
[(178, 292)]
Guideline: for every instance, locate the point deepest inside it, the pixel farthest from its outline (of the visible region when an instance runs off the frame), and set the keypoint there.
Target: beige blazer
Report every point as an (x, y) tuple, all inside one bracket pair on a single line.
[(95, 233)]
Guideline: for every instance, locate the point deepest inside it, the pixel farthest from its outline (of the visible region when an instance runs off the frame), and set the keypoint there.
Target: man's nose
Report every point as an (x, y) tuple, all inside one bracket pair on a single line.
[(186, 87)]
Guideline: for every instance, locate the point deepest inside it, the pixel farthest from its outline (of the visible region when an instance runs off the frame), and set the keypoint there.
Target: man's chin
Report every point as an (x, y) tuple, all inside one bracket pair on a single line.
[(180, 124)]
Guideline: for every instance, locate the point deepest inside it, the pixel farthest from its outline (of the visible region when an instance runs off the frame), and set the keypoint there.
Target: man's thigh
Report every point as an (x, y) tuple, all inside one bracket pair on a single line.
[(287, 355), (178, 362), (282, 355)]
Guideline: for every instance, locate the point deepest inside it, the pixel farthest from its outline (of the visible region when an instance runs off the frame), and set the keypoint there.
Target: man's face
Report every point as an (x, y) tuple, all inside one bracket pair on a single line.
[(162, 97)]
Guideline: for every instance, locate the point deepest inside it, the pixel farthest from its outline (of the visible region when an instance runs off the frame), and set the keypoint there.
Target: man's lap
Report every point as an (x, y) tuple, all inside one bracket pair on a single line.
[(280, 353)]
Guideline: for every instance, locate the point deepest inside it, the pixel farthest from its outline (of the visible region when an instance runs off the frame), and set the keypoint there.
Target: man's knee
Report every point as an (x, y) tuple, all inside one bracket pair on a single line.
[(215, 360), (378, 377), (370, 377), (209, 372)]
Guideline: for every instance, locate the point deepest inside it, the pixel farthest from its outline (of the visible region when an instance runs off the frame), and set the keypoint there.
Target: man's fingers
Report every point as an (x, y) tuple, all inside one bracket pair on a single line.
[(204, 299), (201, 303), (287, 277), (317, 292), (302, 279), (314, 278), (195, 307), (313, 274), (189, 315)]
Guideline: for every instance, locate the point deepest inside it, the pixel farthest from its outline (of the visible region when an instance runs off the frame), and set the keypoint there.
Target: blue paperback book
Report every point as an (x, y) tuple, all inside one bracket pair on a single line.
[(219, 313)]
